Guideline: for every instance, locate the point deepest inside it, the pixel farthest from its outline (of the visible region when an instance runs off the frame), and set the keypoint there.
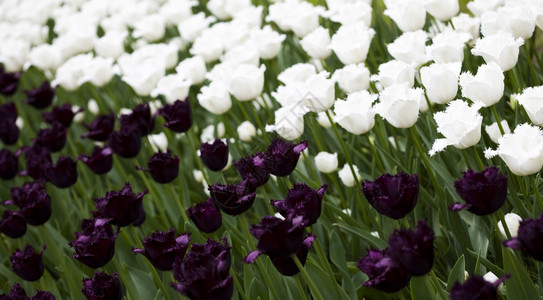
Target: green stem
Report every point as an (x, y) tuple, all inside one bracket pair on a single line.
[(315, 291), (414, 136), (536, 191), (478, 159), (502, 220), (324, 261), (497, 117), (372, 148), (300, 287), (178, 203), (437, 285), (530, 64)]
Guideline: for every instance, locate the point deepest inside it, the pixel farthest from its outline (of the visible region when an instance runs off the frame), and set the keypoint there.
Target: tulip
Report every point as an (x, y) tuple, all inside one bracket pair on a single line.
[(61, 114), (247, 82), (8, 82), (63, 173), (518, 20), (9, 132), (396, 72), (163, 167), (37, 160), (352, 78), (12, 224), (268, 41), (316, 43), (476, 286), (289, 121), (173, 87), (126, 142), (286, 265), (384, 273), (18, 293), (529, 238), (408, 15), (486, 87), (300, 17), (111, 44), (281, 157), (248, 169), (100, 128), (123, 207), (163, 248), (95, 245), (531, 99), (448, 46), (53, 139), (501, 48), (484, 192), (392, 195), (326, 162), (493, 130), (303, 201), (193, 69), (465, 23), (8, 164), (410, 47), (100, 161), (512, 221), (399, 105), (215, 98), (300, 72), (41, 97), (178, 115), (140, 118), (33, 201), (246, 131), (349, 12), (413, 250), (234, 199), (346, 175), (441, 81), (479, 7), (356, 113), (442, 10), (351, 42), (206, 216), (27, 264), (102, 287), (203, 273), (214, 155)]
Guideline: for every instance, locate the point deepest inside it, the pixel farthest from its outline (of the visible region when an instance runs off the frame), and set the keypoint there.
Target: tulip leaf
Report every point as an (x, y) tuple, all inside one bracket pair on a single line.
[(337, 255), (144, 283), (457, 273), (520, 286), (324, 283), (375, 242), (421, 288)]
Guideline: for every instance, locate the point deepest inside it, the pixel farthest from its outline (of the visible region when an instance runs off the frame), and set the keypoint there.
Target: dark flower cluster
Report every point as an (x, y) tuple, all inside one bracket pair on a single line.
[(163, 248), (121, 207), (410, 253), (102, 287), (476, 287), (18, 293)]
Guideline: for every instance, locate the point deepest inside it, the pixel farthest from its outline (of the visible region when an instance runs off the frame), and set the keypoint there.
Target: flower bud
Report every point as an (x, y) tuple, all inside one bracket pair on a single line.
[(178, 115), (234, 199), (396, 72), (289, 121), (484, 192), (215, 98), (356, 114), (248, 169), (95, 245), (33, 202), (281, 157), (100, 128), (384, 274), (9, 132), (246, 131), (410, 47), (442, 10), (100, 161), (532, 101), (352, 78), (41, 97), (303, 201), (413, 249), (494, 132), (53, 139), (27, 264), (172, 87), (448, 46), (399, 105), (408, 15), (164, 167), (192, 68), (123, 207), (326, 162), (529, 238), (465, 23), (8, 82), (214, 155), (476, 285), (126, 142), (351, 43)]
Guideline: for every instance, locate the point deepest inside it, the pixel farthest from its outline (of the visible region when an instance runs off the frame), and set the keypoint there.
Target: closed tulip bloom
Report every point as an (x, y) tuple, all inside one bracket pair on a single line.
[(413, 249), (234, 199), (532, 101), (8, 82), (346, 12), (63, 114), (53, 139), (522, 150), (123, 207), (346, 175), (178, 115), (351, 43), (126, 142), (460, 124), (204, 272), (476, 287), (441, 81), (396, 72), (246, 131), (95, 245), (206, 216), (8, 164), (63, 173), (410, 47), (163, 248), (286, 265), (214, 155), (352, 78), (517, 19), (392, 195), (465, 23), (281, 157), (102, 287), (512, 221), (100, 161), (356, 114), (9, 132), (33, 202), (442, 10), (384, 273), (12, 224), (486, 87), (37, 159), (289, 120), (215, 98), (529, 238), (399, 105), (448, 46), (192, 68), (479, 7), (326, 162), (408, 15), (484, 192), (173, 87), (303, 201), (27, 264), (493, 130), (41, 97), (247, 82), (268, 41), (100, 128), (140, 118), (248, 169), (501, 48), (316, 43), (164, 167), (318, 93)]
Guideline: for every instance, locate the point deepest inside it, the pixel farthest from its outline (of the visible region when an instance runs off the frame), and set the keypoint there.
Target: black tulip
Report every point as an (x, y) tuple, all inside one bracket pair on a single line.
[(413, 250), (206, 216), (383, 272), (33, 202), (214, 155), (53, 139), (27, 264), (529, 238), (123, 207), (100, 161), (63, 174), (41, 97), (178, 115), (63, 115), (247, 168), (163, 166), (8, 164), (95, 245), (233, 199), (37, 159), (102, 287), (100, 128), (140, 118), (126, 142), (8, 82), (281, 157), (303, 201), (9, 132), (163, 248), (12, 224), (476, 288)]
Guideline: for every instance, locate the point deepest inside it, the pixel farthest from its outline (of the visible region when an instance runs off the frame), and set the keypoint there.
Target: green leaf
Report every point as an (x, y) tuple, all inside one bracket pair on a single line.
[(144, 283), (520, 285), (375, 242), (421, 288), (324, 283), (457, 273)]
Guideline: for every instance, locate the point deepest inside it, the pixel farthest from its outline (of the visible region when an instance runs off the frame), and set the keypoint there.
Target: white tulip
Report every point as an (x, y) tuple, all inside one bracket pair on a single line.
[(409, 15), (518, 20), (512, 221), (215, 98), (268, 41), (410, 47), (441, 81), (111, 44), (346, 175), (326, 162), (45, 57), (396, 72), (247, 82), (442, 10), (297, 73), (478, 7), (193, 69), (318, 93), (532, 101), (316, 43), (289, 121), (356, 114), (191, 27), (152, 28), (501, 48), (246, 131), (350, 12), (486, 87), (448, 46), (399, 105), (465, 23), (173, 87), (493, 130), (351, 43), (353, 78)]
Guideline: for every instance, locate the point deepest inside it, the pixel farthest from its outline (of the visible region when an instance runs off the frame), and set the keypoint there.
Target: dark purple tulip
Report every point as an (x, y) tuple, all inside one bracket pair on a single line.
[(43, 295), (302, 201), (163, 166), (100, 128), (286, 265), (100, 161), (27, 263), (53, 139), (18, 293), (140, 118), (33, 201), (123, 207), (37, 159), (95, 245), (102, 287), (162, 248), (8, 164), (413, 250), (233, 199), (247, 168), (206, 216), (63, 174), (61, 114), (529, 238), (9, 132), (281, 157), (277, 238), (476, 288), (178, 115), (12, 224), (126, 142), (203, 273), (41, 97), (392, 195), (484, 192), (8, 82), (384, 274), (214, 155)]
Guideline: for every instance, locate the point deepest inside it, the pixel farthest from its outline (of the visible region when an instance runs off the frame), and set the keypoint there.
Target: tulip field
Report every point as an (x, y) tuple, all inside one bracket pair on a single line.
[(282, 149)]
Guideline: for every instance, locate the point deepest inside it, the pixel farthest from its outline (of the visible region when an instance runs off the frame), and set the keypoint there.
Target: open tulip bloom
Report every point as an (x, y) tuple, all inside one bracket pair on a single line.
[(271, 149)]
